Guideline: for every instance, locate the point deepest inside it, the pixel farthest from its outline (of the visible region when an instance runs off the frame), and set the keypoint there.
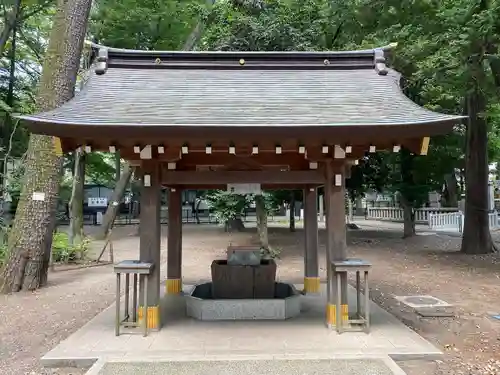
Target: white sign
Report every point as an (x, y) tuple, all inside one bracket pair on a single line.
[(98, 202), (98, 218), (491, 197), (38, 196), (244, 188)]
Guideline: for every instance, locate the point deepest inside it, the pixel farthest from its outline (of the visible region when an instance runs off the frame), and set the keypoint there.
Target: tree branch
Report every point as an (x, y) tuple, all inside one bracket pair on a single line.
[(10, 22), (17, 15), (31, 46), (195, 35), (36, 10)]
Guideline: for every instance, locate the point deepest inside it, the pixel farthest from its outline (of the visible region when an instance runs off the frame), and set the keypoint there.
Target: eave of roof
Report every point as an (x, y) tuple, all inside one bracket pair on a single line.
[(167, 90)]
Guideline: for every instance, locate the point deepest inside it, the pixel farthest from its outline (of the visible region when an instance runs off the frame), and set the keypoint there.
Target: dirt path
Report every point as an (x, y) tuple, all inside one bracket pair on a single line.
[(33, 323)]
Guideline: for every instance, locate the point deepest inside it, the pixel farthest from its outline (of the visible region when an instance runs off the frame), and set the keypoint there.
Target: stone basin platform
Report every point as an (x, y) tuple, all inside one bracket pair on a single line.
[(186, 339), (201, 305)]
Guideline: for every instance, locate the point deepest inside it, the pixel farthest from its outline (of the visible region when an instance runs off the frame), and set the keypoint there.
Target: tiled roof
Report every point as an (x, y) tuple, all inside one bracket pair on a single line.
[(242, 89)]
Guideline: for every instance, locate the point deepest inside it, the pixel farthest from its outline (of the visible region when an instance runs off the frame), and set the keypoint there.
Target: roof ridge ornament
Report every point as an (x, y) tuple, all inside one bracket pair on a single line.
[(380, 66), (102, 61), (379, 58)]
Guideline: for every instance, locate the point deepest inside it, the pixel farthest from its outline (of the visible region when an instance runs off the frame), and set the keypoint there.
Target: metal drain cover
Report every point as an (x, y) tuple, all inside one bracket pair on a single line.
[(419, 302)]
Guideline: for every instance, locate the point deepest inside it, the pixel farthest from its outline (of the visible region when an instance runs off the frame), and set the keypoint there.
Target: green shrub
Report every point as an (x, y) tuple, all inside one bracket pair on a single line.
[(61, 250), (4, 231), (64, 253), (3, 253)]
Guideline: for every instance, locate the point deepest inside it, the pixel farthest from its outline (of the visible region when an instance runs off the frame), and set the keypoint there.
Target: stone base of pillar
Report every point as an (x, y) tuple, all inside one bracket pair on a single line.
[(173, 286), (153, 317), (331, 313), (311, 285)]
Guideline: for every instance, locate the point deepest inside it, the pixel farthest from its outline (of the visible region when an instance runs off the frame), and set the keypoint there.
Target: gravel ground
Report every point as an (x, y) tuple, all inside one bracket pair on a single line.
[(33, 323), (279, 367)]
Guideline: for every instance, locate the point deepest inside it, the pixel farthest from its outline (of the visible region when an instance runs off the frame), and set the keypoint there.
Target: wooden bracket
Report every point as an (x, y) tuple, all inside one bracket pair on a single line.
[(424, 145)]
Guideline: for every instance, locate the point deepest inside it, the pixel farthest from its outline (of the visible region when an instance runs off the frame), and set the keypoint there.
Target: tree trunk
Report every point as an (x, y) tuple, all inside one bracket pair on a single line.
[(409, 219), (114, 203), (197, 203), (476, 238), (235, 225), (118, 166), (350, 213), (260, 208), (30, 239), (461, 183), (451, 190), (292, 211), (76, 234)]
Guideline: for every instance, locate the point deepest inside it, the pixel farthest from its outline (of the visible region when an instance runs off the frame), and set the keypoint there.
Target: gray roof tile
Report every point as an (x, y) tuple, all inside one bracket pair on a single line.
[(295, 96)]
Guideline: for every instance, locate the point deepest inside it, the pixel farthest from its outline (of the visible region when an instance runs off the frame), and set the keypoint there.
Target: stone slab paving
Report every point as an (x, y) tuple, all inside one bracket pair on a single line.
[(373, 366), (182, 338)]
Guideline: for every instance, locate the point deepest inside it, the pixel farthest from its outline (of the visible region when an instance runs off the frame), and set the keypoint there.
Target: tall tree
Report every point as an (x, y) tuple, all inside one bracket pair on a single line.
[(480, 29), (76, 234), (115, 200), (261, 216), (30, 239)]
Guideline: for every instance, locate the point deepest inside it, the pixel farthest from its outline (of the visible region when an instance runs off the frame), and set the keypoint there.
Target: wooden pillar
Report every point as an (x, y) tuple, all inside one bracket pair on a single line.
[(150, 239), (311, 268), (174, 252), (336, 248)]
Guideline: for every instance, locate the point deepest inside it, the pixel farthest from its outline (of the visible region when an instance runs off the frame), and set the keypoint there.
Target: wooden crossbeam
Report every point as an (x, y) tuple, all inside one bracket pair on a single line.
[(242, 177)]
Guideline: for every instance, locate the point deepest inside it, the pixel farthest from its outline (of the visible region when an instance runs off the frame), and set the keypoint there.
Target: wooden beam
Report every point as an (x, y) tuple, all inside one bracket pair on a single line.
[(297, 186), (218, 158), (243, 177)]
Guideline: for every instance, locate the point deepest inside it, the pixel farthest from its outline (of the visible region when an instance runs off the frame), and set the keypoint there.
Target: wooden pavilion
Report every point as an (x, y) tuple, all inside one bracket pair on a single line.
[(198, 120)]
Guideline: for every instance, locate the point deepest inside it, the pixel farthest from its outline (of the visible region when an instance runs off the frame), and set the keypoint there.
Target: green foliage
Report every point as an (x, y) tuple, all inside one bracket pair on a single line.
[(270, 252), (227, 206), (63, 252), (4, 231), (278, 197), (371, 173), (145, 24), (273, 25), (435, 41), (13, 189), (3, 253)]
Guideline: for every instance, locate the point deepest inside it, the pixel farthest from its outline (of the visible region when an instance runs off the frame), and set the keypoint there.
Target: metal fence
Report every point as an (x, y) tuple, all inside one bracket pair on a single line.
[(188, 217)]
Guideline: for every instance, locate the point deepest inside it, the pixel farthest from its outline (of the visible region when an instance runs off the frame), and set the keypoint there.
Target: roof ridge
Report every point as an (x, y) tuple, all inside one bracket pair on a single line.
[(373, 58), (136, 52)]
